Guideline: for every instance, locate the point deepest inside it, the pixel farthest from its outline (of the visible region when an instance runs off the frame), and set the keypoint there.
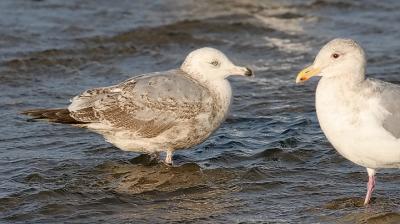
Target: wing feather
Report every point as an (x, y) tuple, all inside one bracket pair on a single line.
[(147, 106), (390, 101)]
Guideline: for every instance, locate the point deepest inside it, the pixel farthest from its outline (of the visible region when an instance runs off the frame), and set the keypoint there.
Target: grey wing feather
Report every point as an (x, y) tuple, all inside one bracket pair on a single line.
[(390, 100), (148, 105), (81, 107)]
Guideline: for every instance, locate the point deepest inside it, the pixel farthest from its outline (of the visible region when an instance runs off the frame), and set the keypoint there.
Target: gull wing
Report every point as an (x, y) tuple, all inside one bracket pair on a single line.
[(390, 101), (147, 105)]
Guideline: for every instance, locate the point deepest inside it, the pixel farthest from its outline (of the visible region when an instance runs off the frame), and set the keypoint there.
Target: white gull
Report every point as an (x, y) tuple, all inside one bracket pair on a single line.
[(360, 116)]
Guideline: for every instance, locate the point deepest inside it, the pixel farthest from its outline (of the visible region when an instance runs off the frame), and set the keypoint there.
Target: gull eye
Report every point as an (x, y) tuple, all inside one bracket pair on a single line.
[(215, 63), (335, 55)]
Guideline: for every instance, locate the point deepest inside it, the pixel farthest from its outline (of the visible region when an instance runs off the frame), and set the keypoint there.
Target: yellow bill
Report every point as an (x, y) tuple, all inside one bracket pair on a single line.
[(306, 74)]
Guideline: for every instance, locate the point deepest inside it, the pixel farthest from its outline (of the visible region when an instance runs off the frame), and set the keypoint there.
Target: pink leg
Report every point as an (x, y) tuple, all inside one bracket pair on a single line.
[(370, 186), (168, 158)]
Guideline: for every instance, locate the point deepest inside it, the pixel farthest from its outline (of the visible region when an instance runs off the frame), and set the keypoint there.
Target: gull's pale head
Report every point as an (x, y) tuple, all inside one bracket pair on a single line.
[(339, 58), (211, 64)]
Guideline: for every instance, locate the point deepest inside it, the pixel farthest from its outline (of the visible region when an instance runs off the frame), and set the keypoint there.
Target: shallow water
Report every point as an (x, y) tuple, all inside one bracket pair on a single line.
[(269, 162)]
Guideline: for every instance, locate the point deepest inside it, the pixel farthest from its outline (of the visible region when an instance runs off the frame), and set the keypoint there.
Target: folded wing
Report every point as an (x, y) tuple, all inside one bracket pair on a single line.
[(390, 101), (146, 106)]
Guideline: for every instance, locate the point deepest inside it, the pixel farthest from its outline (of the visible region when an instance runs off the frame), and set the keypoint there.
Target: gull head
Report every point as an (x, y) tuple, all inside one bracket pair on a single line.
[(211, 64), (339, 58)]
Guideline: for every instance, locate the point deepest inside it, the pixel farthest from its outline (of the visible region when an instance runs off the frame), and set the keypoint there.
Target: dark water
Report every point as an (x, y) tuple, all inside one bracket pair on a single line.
[(269, 162)]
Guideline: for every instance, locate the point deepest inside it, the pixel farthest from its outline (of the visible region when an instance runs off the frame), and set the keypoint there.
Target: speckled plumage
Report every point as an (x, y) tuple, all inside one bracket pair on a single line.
[(159, 106), (156, 112)]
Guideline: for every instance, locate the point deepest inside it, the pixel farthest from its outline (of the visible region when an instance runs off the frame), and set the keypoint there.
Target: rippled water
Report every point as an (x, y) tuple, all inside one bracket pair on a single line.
[(269, 162)]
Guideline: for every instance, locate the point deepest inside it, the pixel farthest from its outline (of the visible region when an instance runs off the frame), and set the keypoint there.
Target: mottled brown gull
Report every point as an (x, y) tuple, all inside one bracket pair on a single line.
[(157, 112), (360, 116)]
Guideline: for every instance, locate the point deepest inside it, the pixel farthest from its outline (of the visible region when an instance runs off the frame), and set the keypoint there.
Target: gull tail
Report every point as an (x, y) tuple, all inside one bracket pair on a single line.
[(59, 115)]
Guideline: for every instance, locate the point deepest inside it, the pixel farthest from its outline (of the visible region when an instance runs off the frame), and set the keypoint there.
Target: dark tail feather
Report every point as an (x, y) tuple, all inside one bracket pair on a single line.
[(52, 115)]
